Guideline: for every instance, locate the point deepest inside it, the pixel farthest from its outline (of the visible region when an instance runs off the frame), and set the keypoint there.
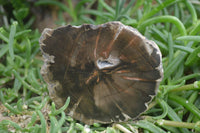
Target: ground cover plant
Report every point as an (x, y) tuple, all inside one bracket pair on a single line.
[(173, 24)]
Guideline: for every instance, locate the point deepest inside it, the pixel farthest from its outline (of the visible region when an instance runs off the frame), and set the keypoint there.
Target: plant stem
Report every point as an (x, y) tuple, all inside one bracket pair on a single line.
[(194, 86), (121, 128), (177, 124)]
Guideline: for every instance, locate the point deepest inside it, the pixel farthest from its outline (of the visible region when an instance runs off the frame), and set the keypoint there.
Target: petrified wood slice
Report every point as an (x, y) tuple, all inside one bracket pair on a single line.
[(109, 71)]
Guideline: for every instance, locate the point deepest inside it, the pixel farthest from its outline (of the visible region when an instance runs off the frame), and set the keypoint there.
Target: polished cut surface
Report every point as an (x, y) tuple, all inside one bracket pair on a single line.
[(110, 71)]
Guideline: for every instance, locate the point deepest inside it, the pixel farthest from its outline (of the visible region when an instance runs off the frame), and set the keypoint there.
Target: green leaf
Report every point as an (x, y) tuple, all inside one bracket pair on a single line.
[(149, 126), (107, 7), (43, 121), (11, 39), (63, 108), (21, 14), (189, 38), (186, 104), (2, 36), (4, 50), (166, 18), (157, 9), (193, 57)]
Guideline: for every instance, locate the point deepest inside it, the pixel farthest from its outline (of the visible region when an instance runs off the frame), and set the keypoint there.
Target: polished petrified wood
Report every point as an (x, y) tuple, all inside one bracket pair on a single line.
[(110, 71)]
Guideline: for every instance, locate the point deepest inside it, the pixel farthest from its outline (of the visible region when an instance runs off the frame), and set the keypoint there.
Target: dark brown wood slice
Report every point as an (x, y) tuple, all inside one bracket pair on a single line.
[(110, 71)]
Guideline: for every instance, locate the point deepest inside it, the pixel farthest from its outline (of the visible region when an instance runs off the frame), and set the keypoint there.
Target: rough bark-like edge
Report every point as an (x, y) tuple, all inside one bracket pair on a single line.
[(47, 75)]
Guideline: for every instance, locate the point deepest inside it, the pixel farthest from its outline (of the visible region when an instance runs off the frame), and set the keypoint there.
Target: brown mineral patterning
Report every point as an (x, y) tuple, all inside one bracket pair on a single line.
[(109, 71)]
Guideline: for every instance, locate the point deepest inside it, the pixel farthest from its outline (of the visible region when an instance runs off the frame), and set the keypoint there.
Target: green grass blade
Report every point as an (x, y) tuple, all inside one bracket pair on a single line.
[(163, 105), (173, 65), (192, 108), (43, 121), (3, 50), (192, 10), (166, 18), (189, 38), (12, 109), (56, 112), (11, 39), (54, 124), (196, 29), (184, 48), (194, 86), (171, 47), (107, 7), (187, 77), (51, 2), (128, 7), (97, 13), (136, 6), (18, 34), (173, 116), (33, 119), (25, 84), (156, 10), (13, 124), (149, 126), (193, 57), (61, 121), (177, 124), (3, 37)]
